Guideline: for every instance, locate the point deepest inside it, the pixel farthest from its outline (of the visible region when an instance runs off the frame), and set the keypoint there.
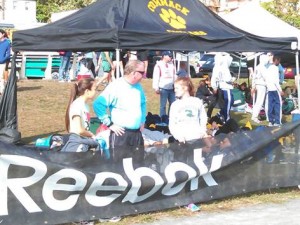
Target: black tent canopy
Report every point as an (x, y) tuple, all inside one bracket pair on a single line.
[(144, 24), (178, 25)]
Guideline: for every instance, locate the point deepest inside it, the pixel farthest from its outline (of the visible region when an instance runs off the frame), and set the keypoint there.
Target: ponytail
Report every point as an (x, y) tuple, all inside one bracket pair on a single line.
[(77, 90)]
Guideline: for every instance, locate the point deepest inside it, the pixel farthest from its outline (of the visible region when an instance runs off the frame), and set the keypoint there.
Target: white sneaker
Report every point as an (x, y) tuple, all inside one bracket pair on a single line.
[(270, 124), (255, 120), (113, 219), (84, 223), (248, 109), (104, 84)]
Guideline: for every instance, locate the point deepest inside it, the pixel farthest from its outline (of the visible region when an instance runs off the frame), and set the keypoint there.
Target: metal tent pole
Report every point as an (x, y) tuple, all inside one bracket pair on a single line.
[(118, 63), (297, 74), (188, 64)]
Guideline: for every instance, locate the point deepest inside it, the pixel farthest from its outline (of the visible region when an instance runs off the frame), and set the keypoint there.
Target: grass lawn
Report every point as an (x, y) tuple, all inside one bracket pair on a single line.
[(41, 112), (42, 105)]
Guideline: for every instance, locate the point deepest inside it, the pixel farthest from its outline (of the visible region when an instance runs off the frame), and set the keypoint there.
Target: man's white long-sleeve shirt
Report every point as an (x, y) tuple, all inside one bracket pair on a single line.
[(163, 75), (272, 78)]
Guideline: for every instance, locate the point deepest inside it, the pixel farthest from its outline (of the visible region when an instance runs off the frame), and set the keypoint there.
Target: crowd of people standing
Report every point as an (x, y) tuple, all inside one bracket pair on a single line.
[(102, 65), (122, 107), (185, 108), (267, 88)]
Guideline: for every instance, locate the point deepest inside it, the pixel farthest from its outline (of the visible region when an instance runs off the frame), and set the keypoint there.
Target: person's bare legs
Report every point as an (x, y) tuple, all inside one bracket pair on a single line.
[(146, 67), (113, 71), (106, 76), (121, 68)]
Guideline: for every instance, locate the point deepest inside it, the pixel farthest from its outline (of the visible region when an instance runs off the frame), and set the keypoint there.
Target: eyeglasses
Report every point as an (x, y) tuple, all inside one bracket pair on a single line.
[(141, 72)]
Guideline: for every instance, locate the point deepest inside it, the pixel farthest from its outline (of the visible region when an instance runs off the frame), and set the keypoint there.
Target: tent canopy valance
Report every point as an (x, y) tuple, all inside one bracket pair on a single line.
[(144, 24)]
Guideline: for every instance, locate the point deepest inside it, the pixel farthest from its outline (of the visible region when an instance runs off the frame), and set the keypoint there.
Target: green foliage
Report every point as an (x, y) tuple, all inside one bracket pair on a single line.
[(46, 7), (287, 10)]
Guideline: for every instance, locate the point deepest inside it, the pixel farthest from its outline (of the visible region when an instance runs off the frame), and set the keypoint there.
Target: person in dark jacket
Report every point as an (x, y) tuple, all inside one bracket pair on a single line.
[(4, 57), (205, 93)]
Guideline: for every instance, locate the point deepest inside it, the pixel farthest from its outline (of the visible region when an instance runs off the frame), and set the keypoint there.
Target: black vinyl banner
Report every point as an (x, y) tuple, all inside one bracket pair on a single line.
[(44, 187)]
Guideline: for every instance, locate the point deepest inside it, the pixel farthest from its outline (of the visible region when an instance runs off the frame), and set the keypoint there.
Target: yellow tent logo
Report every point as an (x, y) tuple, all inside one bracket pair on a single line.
[(174, 14), (170, 17)]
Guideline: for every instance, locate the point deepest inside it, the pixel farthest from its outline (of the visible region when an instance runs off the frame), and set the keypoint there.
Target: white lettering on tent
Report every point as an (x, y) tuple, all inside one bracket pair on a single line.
[(51, 185), (17, 185), (97, 185), (135, 176)]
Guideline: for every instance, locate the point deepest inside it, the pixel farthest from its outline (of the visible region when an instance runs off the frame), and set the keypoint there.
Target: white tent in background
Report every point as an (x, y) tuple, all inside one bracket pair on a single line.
[(60, 15), (254, 19)]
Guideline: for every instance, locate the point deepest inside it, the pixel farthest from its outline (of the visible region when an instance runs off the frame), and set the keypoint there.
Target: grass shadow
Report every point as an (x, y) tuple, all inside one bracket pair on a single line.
[(28, 88)]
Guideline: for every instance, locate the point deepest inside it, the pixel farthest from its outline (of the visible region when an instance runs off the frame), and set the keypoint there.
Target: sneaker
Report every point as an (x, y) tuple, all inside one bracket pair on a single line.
[(270, 158), (221, 117), (255, 120), (61, 81), (84, 223), (103, 84), (276, 125), (248, 109), (113, 219), (270, 124)]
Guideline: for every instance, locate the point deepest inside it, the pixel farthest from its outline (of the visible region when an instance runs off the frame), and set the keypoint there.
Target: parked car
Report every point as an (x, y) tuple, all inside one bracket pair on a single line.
[(236, 65), (205, 57), (202, 60), (289, 64)]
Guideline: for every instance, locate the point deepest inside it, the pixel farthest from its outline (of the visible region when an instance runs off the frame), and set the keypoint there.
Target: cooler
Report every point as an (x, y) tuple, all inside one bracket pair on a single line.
[(79, 76)]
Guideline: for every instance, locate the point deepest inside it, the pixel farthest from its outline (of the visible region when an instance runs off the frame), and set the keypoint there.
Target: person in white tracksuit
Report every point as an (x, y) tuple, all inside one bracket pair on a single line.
[(215, 81), (259, 87), (222, 79), (274, 93)]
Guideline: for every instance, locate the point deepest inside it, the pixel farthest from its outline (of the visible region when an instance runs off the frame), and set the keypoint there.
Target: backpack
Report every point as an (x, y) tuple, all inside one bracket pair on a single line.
[(239, 97), (53, 142), (287, 106)]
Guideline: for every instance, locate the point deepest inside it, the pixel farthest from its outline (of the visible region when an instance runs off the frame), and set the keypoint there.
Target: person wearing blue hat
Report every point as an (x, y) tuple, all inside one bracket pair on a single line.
[(164, 75)]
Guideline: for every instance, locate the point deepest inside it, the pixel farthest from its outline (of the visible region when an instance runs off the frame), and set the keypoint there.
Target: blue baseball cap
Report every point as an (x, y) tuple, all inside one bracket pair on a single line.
[(169, 53)]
